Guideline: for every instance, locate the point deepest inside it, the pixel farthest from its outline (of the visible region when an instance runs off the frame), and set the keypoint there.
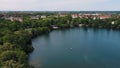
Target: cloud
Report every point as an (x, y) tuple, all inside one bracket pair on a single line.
[(54, 4)]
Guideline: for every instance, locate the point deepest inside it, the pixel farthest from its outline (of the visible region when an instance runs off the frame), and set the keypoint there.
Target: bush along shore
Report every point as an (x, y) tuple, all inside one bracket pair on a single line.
[(16, 37)]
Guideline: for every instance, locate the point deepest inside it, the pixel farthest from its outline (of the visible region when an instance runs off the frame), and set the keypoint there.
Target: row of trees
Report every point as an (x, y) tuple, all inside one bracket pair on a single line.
[(15, 42)]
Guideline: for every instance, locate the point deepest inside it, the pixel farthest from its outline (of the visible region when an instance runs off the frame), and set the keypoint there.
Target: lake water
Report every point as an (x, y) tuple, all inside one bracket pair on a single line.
[(77, 48)]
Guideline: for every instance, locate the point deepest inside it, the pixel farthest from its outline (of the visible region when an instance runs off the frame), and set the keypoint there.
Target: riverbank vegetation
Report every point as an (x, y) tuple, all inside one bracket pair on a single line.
[(16, 37)]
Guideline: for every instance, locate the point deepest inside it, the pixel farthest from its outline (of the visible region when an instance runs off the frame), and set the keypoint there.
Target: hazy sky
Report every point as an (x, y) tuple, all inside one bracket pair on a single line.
[(60, 5)]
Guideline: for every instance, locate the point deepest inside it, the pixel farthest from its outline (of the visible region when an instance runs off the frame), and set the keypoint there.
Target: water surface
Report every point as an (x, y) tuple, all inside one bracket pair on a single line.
[(77, 48)]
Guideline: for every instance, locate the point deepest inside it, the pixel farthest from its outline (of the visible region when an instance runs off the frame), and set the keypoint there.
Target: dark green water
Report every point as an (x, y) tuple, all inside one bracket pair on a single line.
[(77, 48)]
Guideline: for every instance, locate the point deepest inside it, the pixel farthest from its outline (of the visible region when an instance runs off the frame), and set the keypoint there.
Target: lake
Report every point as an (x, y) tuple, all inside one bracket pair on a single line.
[(77, 48)]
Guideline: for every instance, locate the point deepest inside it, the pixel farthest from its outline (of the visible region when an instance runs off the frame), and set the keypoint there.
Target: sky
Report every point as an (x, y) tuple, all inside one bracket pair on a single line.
[(59, 5)]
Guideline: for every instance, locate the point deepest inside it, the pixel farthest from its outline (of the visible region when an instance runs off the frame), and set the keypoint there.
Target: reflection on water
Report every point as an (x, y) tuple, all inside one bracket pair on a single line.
[(77, 48)]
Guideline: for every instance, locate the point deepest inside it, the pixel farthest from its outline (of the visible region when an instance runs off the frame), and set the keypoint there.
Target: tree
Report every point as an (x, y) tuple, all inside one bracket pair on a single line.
[(13, 59)]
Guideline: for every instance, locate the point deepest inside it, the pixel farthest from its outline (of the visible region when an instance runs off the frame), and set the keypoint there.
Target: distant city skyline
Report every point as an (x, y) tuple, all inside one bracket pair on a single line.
[(59, 5)]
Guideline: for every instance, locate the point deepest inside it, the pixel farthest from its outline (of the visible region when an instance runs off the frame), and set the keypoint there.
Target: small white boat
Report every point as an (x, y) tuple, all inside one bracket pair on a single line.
[(71, 48)]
